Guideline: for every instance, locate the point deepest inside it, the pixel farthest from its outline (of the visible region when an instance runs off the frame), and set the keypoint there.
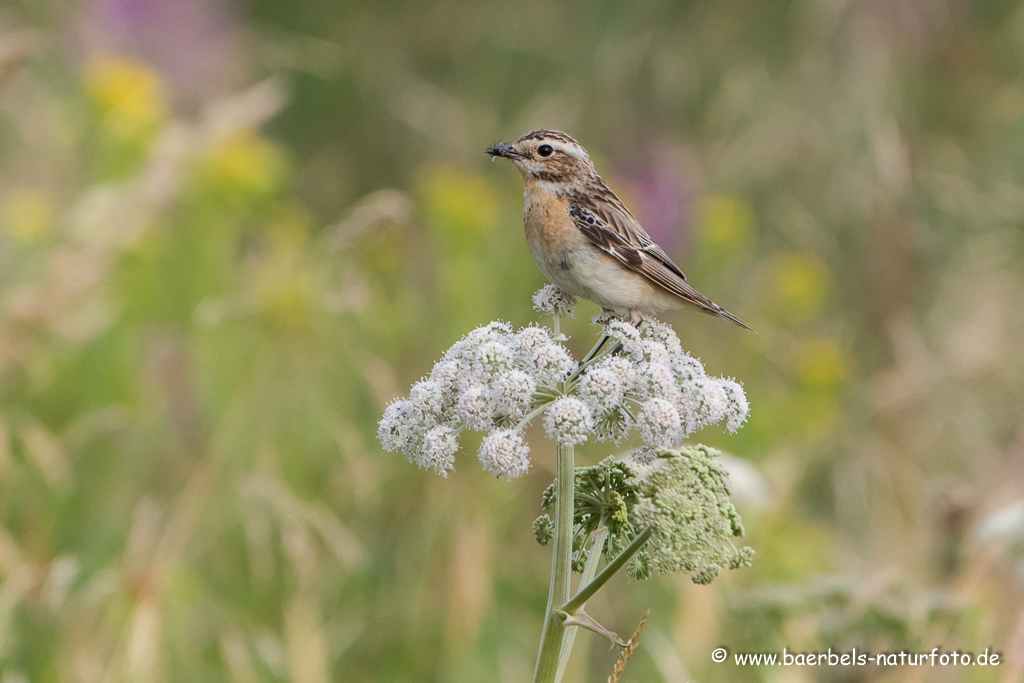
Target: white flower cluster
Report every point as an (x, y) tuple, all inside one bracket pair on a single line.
[(655, 387), (553, 300), (495, 379), (486, 382)]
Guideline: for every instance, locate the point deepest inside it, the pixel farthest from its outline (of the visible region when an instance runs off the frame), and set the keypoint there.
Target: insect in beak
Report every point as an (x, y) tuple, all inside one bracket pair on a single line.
[(503, 149)]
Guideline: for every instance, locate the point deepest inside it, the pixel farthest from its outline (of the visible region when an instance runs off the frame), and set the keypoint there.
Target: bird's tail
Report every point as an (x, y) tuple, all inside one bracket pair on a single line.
[(720, 312)]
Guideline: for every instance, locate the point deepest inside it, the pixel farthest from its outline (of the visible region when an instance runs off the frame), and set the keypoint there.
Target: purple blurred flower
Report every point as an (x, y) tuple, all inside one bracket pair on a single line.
[(660, 192), (194, 44)]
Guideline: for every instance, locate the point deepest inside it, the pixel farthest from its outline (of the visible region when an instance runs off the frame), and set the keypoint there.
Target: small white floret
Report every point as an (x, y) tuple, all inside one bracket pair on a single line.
[(601, 389), (504, 454), (739, 408), (439, 447), (475, 407), (659, 423), (553, 300), (426, 397), (398, 427), (568, 421), (513, 393)]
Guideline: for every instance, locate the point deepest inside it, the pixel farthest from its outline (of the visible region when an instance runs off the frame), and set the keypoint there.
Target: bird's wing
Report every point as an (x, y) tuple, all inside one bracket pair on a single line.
[(610, 226)]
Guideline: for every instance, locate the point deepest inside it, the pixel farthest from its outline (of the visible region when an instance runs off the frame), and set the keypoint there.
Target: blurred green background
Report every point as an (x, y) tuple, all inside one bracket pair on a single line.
[(230, 232)]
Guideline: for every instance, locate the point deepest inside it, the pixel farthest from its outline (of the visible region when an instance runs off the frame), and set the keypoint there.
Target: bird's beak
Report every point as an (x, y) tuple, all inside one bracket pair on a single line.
[(504, 150)]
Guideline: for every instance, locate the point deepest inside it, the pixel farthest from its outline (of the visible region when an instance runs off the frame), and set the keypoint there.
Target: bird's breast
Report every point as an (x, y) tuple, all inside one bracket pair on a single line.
[(549, 229), (564, 255)]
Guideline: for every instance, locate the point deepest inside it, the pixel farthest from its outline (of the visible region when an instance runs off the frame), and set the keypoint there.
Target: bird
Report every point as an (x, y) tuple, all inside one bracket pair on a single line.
[(585, 240)]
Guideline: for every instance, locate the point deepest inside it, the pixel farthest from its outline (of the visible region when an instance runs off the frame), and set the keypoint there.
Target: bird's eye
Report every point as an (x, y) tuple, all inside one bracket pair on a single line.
[(545, 150)]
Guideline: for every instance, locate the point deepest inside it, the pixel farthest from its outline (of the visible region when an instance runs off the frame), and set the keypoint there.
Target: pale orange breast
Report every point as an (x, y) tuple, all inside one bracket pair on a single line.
[(549, 229)]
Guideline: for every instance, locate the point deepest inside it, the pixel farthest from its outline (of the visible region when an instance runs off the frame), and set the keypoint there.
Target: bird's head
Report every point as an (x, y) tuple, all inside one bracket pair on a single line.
[(546, 155)]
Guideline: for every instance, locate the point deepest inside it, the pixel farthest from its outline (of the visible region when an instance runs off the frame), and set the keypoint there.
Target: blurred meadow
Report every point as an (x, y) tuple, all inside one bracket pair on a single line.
[(231, 231)]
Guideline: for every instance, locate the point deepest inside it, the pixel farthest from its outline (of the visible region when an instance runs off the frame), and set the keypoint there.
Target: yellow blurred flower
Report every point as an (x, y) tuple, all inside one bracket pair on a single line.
[(129, 97), (285, 295), (245, 162), (28, 214), (801, 283), (725, 222), (289, 225), (822, 363), (461, 205), (285, 287)]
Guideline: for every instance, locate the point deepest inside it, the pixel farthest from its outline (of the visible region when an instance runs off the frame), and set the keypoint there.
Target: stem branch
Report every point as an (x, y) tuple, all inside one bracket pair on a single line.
[(608, 572), (534, 413)]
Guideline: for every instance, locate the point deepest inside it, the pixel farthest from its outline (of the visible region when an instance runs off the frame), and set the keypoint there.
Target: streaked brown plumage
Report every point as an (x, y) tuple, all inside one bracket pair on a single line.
[(586, 241)]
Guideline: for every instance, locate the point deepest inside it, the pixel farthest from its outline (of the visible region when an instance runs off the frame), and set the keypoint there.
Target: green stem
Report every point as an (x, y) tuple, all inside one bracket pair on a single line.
[(561, 567), (608, 572), (534, 413), (593, 560)]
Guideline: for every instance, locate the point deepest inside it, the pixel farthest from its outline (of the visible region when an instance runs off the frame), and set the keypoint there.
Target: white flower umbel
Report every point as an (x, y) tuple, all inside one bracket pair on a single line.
[(398, 429), (427, 397), (488, 381), (551, 364), (496, 379), (656, 380), (736, 413), (551, 299), (475, 408)]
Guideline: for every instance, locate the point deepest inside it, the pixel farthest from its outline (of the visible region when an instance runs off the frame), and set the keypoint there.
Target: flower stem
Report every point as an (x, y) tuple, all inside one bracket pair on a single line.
[(561, 568), (593, 560), (534, 413), (588, 590)]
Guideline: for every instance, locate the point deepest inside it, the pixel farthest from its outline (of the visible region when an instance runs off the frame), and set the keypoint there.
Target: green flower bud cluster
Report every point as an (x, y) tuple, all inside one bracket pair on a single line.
[(683, 496), (605, 494)]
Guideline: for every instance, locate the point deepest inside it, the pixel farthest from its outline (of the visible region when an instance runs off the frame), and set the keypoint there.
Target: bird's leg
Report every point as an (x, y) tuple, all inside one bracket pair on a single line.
[(581, 367), (596, 350), (634, 318)]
